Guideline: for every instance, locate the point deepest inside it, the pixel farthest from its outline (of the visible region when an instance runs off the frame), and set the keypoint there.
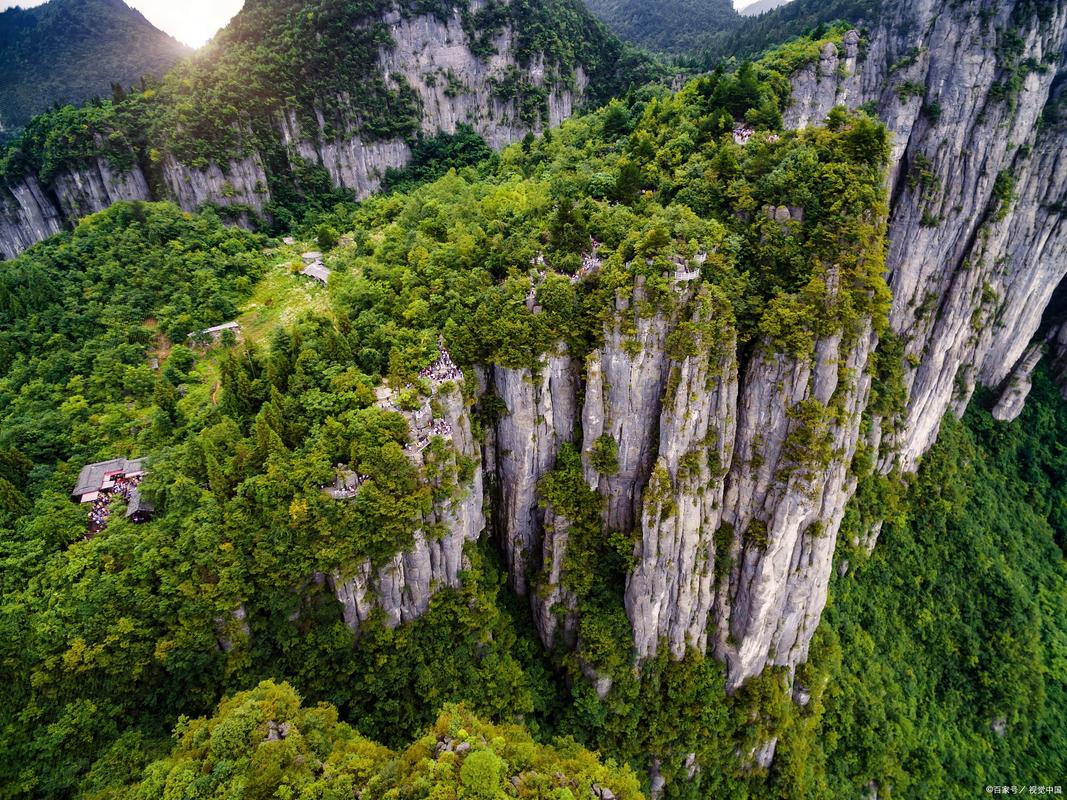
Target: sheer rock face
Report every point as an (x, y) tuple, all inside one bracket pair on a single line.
[(1017, 386), (456, 87), (671, 590), (625, 378), (971, 275), (435, 58), (27, 215), (737, 524), (759, 451), (403, 588), (243, 182), (97, 186), (30, 212), (732, 477), (797, 432), (555, 607), (538, 416), (830, 81), (972, 266)]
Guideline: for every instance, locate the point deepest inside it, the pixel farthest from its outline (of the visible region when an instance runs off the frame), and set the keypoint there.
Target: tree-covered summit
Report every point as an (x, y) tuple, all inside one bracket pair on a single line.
[(69, 51), (265, 743)]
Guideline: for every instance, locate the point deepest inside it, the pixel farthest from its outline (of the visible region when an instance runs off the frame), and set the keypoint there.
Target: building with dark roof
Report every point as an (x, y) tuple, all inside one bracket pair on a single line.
[(140, 508), (100, 477), (317, 272)]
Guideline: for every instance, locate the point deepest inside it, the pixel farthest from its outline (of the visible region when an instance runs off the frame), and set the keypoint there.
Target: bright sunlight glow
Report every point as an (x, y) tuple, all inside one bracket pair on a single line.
[(192, 22)]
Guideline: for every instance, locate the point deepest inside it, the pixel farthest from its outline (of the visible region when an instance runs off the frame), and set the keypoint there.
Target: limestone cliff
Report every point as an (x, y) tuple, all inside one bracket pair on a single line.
[(977, 246), (733, 471), (978, 241), (454, 79), (402, 588), (727, 464)]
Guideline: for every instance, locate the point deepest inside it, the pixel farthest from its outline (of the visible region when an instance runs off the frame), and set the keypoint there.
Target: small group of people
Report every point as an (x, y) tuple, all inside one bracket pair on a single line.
[(742, 133), (417, 446), (443, 369), (590, 264), (100, 511), (439, 427), (347, 484)]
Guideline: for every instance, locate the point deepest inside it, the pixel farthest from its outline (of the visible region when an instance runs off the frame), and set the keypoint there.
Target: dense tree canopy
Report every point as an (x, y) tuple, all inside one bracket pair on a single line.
[(264, 743), (108, 642)]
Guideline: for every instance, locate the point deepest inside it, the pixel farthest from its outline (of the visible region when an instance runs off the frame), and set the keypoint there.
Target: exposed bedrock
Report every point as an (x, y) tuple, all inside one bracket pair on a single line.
[(625, 379), (977, 237), (538, 415), (402, 588), (670, 593), (435, 58)]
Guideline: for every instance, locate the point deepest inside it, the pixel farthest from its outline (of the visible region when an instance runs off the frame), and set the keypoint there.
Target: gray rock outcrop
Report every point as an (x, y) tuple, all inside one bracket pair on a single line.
[(402, 588), (1017, 386), (670, 592), (734, 477), (435, 58), (977, 246), (977, 243)]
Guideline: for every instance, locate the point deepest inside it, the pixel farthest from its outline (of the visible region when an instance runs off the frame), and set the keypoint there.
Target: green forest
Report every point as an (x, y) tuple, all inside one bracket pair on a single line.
[(672, 26), (70, 51), (198, 655)]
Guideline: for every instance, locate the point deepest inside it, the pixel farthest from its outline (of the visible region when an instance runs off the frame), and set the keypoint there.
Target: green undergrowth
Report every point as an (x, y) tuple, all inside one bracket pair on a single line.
[(112, 638)]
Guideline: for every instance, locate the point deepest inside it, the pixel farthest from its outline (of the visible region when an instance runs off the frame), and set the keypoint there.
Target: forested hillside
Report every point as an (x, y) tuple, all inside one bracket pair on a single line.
[(109, 639), (70, 51), (532, 475), (264, 122), (669, 26), (703, 32), (753, 35), (241, 440), (945, 647)]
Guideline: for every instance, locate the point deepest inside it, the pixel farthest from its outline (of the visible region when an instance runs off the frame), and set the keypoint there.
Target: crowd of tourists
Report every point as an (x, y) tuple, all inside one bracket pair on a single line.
[(100, 511)]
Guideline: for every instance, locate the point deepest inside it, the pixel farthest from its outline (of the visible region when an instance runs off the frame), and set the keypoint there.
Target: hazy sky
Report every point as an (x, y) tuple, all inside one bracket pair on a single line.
[(189, 21)]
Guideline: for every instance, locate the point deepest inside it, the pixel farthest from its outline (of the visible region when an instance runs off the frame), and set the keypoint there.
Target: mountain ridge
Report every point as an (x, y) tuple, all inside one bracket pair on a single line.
[(68, 51), (673, 26), (256, 123), (760, 6)]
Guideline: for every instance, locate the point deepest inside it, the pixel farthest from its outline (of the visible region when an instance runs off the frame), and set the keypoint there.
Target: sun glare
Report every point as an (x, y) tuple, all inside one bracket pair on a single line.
[(192, 22)]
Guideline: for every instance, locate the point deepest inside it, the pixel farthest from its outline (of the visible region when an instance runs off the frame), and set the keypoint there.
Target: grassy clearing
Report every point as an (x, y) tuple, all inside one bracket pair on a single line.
[(280, 298)]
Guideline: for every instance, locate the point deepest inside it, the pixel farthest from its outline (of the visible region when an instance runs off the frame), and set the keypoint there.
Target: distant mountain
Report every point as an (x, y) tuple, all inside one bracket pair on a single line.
[(671, 26), (68, 51), (760, 6), (772, 26)]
